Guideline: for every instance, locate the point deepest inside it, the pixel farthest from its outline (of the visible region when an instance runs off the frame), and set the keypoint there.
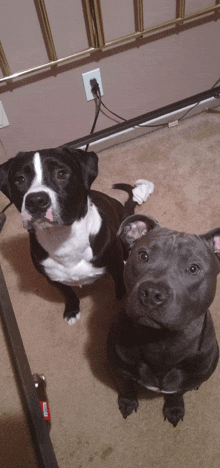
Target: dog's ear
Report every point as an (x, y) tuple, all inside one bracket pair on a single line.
[(89, 164), (4, 171), (213, 239), (133, 228)]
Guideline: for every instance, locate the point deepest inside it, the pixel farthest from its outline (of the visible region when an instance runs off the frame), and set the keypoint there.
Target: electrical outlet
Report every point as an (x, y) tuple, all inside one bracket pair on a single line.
[(3, 117), (86, 79)]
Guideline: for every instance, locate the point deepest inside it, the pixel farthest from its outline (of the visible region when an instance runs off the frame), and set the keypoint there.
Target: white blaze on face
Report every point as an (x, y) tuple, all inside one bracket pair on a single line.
[(38, 180), (38, 186)]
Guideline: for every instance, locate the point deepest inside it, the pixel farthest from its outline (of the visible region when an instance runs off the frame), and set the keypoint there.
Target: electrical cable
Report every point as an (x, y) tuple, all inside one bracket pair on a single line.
[(125, 120), (197, 103), (3, 217), (6, 207), (215, 84), (98, 96), (184, 115), (113, 113), (150, 126)]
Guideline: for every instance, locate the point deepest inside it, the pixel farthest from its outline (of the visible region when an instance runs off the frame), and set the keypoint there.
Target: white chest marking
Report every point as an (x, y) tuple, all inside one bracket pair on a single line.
[(69, 250), (155, 389)]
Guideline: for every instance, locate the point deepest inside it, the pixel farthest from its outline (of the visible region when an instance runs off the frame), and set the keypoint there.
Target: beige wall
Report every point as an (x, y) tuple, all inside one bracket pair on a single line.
[(46, 110)]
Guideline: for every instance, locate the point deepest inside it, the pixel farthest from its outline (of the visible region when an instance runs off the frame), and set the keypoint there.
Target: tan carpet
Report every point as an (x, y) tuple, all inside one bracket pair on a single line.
[(87, 427)]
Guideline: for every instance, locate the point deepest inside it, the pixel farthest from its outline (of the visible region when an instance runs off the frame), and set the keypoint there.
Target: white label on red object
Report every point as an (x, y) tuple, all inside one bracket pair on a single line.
[(45, 409)]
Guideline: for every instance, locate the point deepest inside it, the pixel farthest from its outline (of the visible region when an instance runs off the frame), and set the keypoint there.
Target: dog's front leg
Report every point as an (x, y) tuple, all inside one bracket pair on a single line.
[(173, 409), (127, 398), (127, 394), (71, 312)]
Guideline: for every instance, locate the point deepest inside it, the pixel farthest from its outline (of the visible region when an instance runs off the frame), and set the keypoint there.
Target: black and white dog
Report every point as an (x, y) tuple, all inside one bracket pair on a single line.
[(72, 228)]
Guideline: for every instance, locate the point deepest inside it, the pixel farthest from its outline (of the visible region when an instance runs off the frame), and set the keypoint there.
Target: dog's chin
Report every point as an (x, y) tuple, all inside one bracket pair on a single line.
[(148, 321), (43, 223)]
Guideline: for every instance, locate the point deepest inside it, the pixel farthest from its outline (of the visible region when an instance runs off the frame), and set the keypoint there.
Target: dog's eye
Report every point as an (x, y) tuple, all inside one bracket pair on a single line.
[(193, 269), (62, 174), (19, 180), (143, 256)]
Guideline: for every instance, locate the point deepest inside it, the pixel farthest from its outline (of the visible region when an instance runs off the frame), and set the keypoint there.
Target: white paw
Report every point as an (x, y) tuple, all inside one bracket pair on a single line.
[(142, 190), (73, 320)]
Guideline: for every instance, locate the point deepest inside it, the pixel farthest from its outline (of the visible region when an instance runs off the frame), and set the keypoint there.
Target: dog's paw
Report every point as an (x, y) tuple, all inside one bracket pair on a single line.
[(127, 405), (71, 318), (174, 412), (174, 415)]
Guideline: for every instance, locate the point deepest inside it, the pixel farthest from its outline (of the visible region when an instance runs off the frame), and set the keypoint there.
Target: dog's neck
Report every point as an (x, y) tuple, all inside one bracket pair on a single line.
[(163, 348), (194, 332)]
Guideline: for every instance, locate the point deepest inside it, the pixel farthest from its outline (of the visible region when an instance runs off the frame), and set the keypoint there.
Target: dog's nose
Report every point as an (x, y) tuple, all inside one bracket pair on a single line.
[(37, 202), (152, 294)]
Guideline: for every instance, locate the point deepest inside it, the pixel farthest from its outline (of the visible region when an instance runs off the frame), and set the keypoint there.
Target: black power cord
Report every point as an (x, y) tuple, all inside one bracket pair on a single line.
[(96, 92), (197, 103), (125, 120), (3, 217)]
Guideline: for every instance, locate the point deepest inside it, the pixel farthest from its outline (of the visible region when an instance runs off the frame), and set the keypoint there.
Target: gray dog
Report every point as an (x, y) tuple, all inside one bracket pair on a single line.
[(164, 338)]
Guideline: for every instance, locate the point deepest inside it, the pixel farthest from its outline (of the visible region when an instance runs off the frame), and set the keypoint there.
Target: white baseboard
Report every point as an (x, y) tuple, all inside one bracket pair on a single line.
[(135, 132)]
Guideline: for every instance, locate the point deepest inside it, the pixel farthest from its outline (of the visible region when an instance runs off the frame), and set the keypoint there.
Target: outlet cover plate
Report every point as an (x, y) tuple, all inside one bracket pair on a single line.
[(86, 80), (3, 117)]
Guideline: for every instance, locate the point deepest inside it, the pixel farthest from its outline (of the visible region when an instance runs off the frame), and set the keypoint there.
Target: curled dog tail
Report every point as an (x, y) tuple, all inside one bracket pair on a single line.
[(137, 195), (130, 204)]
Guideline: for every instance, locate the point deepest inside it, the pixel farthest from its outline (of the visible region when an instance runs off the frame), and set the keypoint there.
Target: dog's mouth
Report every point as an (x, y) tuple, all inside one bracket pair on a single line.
[(38, 220), (149, 322)]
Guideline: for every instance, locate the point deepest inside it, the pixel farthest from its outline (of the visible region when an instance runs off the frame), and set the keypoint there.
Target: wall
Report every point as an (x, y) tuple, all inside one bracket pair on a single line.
[(50, 108)]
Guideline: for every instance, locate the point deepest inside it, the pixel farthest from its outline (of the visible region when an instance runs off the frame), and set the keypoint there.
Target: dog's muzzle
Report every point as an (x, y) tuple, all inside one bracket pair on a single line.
[(37, 208)]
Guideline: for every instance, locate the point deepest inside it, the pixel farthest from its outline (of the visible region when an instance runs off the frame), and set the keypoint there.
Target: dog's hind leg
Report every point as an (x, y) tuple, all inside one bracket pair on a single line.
[(127, 388), (71, 312), (173, 409)]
